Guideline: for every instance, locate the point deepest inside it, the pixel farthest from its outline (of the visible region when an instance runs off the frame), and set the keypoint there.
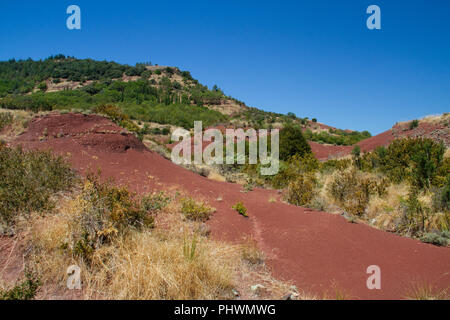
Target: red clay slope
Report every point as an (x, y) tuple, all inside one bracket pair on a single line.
[(314, 249), (438, 131)]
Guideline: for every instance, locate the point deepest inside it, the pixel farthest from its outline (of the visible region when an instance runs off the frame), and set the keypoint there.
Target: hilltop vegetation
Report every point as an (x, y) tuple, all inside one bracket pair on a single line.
[(144, 92)]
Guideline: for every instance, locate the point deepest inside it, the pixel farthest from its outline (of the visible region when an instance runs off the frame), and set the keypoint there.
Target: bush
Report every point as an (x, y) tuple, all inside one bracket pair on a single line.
[(105, 212), (415, 215), (42, 86), (439, 239), (291, 169), (26, 290), (6, 119), (352, 190), (118, 117), (426, 158), (195, 211), (292, 143), (413, 124), (356, 151), (28, 180), (240, 208), (418, 160), (301, 191), (441, 197), (155, 202)]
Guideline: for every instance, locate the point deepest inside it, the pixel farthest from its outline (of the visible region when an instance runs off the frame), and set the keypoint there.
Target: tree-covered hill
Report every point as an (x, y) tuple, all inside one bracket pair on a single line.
[(145, 92)]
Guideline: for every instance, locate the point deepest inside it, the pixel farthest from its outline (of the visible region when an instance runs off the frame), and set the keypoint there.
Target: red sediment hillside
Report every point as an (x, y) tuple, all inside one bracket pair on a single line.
[(314, 249), (439, 131), (326, 151)]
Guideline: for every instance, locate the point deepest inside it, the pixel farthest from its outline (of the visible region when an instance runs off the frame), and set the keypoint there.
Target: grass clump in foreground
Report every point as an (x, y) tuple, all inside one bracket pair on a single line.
[(28, 180), (173, 261)]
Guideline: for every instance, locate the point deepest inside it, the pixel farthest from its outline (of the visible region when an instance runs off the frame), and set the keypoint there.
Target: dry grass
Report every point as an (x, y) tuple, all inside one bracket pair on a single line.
[(139, 265), (250, 251), (427, 292), (216, 176), (19, 124), (175, 260)]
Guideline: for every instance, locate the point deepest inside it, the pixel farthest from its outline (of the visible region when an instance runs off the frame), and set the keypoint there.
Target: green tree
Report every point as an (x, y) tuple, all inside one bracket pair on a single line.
[(426, 158), (292, 142)]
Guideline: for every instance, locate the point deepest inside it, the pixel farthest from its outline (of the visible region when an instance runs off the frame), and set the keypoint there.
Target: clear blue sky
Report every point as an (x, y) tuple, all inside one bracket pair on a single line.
[(314, 58)]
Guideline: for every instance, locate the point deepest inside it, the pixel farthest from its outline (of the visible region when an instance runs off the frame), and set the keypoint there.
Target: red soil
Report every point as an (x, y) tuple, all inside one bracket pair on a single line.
[(327, 151), (435, 131), (313, 249)]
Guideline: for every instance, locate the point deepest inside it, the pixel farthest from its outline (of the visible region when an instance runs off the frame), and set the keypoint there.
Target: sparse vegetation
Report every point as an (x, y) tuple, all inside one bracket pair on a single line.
[(195, 211), (6, 118), (25, 290), (240, 208), (106, 212), (413, 124)]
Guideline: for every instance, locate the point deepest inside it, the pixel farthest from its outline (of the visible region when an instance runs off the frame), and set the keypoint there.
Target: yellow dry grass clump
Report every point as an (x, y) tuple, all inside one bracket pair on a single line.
[(148, 264)]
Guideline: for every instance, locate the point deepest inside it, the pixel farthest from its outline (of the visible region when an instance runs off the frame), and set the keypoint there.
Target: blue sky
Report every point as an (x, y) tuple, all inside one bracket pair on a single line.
[(313, 58)]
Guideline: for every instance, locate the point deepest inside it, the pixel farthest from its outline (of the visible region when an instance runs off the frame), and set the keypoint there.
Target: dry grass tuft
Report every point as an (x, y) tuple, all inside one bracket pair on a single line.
[(427, 292)]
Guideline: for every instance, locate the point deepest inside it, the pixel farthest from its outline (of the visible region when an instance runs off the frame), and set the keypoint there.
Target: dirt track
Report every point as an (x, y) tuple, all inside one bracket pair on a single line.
[(314, 249)]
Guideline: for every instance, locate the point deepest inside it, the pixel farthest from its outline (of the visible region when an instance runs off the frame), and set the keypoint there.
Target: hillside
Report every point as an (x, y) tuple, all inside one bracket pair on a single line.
[(435, 127), (151, 93), (319, 252)]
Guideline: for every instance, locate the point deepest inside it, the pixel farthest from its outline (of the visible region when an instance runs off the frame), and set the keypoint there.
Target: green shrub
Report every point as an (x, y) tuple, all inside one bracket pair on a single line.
[(26, 290), (413, 124), (42, 86), (356, 151), (417, 160), (28, 180), (6, 119), (155, 202), (195, 211), (291, 169), (439, 239), (426, 158), (240, 208), (118, 117), (301, 191), (415, 214)]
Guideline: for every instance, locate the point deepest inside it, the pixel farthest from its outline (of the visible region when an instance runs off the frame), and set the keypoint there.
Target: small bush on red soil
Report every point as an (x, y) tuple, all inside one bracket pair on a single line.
[(240, 208), (195, 211)]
